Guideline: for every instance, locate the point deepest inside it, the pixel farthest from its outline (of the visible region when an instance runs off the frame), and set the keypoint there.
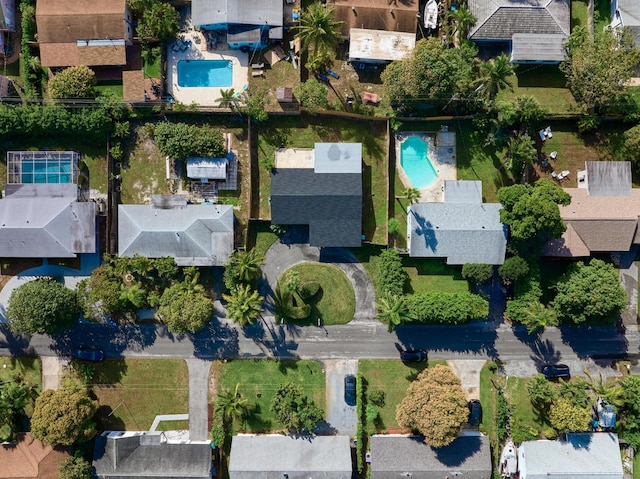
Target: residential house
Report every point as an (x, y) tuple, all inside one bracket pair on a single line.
[(290, 457), (603, 214), (583, 455), (626, 13), (379, 46), (532, 31), (194, 235), (83, 32), (7, 23), (461, 229), (30, 458), (42, 214), (321, 188), (132, 455), (250, 24), (386, 15), (394, 456)]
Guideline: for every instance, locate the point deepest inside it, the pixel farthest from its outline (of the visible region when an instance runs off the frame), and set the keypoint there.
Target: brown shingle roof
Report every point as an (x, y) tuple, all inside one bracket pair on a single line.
[(61, 21), (393, 16), (569, 245), (58, 54), (30, 459), (133, 85), (585, 207), (606, 235), (102, 55)]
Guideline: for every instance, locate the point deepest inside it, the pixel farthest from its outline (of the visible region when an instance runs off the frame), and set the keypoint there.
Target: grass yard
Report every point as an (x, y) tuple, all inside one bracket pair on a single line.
[(393, 377), (434, 275), (297, 132), (601, 14), (488, 399), (258, 380), (546, 83), (579, 14), (28, 368), (131, 392), (282, 74), (335, 303), (525, 422), (112, 86), (261, 237), (151, 63)]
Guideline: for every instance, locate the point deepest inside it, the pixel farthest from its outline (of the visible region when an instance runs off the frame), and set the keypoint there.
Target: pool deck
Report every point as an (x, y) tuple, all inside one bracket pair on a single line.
[(205, 96), (441, 150)]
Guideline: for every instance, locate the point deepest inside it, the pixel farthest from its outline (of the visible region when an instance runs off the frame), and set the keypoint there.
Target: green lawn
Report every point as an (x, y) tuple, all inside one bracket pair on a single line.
[(400, 212), (602, 14), (27, 368), (335, 303), (151, 63), (546, 83), (131, 392), (113, 86), (525, 423), (261, 237), (489, 406), (259, 379), (297, 132), (393, 377), (578, 14), (434, 275)]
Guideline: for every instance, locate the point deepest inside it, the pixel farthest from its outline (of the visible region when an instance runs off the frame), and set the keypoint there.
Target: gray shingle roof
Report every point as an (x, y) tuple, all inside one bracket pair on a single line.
[(461, 232), (330, 203), (394, 456), (129, 458), (609, 178), (584, 456), (273, 456), (540, 47), (46, 221), (462, 191), (241, 12), (198, 235), (630, 12)]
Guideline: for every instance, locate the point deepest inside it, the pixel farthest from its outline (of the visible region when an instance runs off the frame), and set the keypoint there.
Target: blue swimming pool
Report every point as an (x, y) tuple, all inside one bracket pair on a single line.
[(415, 162), (46, 171), (205, 73)]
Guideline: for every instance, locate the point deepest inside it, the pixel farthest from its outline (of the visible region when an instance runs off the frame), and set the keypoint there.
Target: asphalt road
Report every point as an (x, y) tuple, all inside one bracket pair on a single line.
[(359, 339)]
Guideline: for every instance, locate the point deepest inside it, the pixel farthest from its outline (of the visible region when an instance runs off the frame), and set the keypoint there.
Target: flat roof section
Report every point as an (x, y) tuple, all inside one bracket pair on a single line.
[(379, 45)]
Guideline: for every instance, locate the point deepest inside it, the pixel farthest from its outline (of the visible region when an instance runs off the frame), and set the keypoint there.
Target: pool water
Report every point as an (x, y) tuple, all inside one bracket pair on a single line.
[(205, 73), (415, 162), (46, 171)]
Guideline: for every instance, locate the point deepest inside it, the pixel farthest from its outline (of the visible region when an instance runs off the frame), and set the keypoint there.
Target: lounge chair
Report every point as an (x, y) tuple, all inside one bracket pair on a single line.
[(565, 173), (553, 155), (554, 175), (547, 132), (257, 66), (542, 134), (257, 73)]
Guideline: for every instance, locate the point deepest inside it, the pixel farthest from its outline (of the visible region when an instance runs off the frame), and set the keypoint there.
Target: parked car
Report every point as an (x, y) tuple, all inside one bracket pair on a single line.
[(323, 77), (87, 354), (554, 371), (350, 390), (335, 75), (413, 355), (475, 412)]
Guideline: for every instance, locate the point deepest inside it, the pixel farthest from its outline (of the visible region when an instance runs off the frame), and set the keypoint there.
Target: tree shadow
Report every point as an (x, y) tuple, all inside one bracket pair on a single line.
[(601, 344), (107, 420), (273, 338), (17, 345), (216, 340), (459, 451), (114, 340)]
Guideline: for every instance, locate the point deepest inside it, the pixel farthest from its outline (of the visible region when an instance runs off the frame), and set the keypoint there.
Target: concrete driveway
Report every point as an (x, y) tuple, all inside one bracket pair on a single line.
[(341, 418)]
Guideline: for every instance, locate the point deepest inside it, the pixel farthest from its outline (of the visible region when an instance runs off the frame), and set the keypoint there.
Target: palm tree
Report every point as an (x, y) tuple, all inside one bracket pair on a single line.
[(247, 265), (612, 392), (234, 406), (227, 99), (392, 310), (244, 305), (538, 316), (318, 30), (494, 75), (412, 195), (463, 19)]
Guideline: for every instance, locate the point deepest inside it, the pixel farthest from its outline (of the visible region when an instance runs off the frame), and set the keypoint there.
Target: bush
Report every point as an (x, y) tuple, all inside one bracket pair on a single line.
[(312, 95), (309, 289), (393, 226), (180, 140), (360, 415), (376, 396), (371, 413), (73, 82), (477, 272), (513, 269), (447, 308), (391, 275)]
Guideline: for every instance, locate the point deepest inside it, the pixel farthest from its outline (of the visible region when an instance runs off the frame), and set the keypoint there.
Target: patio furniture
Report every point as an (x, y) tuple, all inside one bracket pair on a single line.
[(554, 175), (542, 135), (257, 66), (547, 132), (565, 173), (553, 155), (544, 164), (257, 73), (368, 97)]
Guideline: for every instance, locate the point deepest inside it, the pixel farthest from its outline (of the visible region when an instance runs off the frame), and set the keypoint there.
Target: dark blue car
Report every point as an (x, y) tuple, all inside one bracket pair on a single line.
[(323, 77), (350, 390), (86, 354), (335, 75)]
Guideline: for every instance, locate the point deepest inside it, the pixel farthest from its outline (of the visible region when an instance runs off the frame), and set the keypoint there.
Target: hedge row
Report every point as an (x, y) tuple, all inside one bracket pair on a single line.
[(391, 276), (447, 308), (360, 434), (527, 292)]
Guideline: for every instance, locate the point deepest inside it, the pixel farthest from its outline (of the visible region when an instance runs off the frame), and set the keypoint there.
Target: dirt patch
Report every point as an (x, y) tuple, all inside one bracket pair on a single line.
[(10, 267)]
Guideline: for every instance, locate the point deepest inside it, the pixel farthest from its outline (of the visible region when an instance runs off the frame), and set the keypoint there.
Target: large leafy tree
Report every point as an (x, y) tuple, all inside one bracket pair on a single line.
[(590, 293), (566, 417), (42, 306), (181, 140), (494, 76), (513, 269), (64, 417), (312, 94), (185, 309), (318, 31), (435, 406), (598, 66), (73, 82), (244, 305), (532, 213), (431, 73), (632, 144), (74, 467), (295, 410), (158, 21)]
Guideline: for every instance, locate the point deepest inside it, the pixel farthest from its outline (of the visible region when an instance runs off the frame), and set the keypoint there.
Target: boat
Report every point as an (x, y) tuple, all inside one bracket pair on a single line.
[(509, 460), (431, 15)]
